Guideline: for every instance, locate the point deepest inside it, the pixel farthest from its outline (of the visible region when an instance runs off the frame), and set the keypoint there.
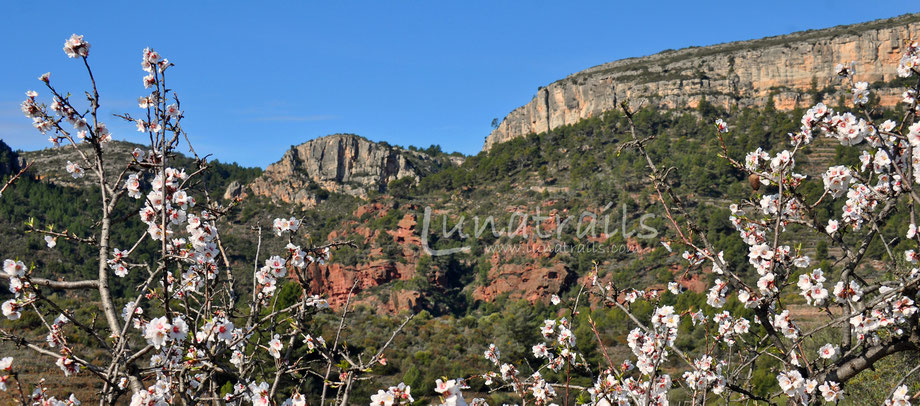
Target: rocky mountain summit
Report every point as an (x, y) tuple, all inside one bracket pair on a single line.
[(784, 68), (342, 163)]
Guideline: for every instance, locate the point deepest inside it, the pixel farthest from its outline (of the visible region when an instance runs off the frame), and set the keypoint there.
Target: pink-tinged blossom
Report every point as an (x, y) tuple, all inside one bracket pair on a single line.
[(11, 309), (832, 226), (29, 107), (68, 365), (259, 394), (900, 397), (665, 316), (74, 170), (831, 391), (275, 346), (281, 225), (549, 327), (791, 383), (179, 329), (14, 268), (157, 331), (492, 354), (828, 351), (837, 180), (6, 365), (860, 93), (394, 395), (450, 391), (133, 186), (783, 323), (913, 135), (844, 292), (75, 46), (767, 284), (225, 330), (721, 126), (119, 269), (173, 110), (716, 296)]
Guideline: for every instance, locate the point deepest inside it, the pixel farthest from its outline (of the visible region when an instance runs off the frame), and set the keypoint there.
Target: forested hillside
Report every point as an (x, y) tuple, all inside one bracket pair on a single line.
[(485, 291)]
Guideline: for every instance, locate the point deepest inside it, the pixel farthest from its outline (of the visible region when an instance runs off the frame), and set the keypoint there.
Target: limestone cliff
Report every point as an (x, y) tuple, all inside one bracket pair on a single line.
[(343, 163), (745, 73)]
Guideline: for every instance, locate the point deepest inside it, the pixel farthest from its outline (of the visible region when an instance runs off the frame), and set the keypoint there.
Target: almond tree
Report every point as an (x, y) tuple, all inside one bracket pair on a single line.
[(869, 313), (190, 328)]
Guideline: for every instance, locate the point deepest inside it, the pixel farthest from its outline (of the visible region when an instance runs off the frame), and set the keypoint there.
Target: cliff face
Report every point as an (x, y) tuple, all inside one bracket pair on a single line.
[(343, 163), (743, 73)]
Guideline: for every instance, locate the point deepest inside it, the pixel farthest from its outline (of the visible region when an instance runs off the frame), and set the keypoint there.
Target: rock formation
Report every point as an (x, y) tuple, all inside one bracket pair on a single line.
[(343, 163), (745, 73), (336, 280)]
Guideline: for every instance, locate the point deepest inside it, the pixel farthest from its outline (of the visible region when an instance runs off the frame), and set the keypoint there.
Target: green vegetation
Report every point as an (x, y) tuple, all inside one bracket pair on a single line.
[(571, 169)]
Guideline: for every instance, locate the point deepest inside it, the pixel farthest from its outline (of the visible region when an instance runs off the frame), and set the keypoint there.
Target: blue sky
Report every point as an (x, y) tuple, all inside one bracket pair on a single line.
[(256, 79)]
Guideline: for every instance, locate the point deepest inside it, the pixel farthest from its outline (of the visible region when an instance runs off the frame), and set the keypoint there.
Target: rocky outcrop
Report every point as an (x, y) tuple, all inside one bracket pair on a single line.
[(234, 191), (336, 281), (746, 73), (530, 282), (342, 163)]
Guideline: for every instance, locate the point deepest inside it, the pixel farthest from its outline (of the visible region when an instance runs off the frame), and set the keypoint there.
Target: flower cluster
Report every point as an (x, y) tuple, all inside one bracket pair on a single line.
[(74, 170), (812, 287), (395, 395), (75, 46), (900, 397), (729, 326), (450, 392), (161, 330), (15, 271), (910, 60), (281, 225), (20, 286), (40, 396), (706, 375), (6, 365), (837, 180), (651, 348)]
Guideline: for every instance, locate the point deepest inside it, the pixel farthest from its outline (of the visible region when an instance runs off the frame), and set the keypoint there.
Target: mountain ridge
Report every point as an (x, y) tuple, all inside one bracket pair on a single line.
[(781, 69)]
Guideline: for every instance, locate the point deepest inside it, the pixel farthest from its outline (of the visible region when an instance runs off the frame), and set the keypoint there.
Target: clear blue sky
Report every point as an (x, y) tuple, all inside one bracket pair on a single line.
[(258, 77)]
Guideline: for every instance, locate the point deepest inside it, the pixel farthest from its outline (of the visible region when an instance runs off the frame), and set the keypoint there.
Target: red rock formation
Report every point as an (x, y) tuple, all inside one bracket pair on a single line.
[(334, 281), (530, 282)]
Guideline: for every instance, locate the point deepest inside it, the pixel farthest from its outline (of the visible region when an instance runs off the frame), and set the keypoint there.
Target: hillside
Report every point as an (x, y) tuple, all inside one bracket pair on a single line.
[(793, 70), (477, 246), (50, 164)]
